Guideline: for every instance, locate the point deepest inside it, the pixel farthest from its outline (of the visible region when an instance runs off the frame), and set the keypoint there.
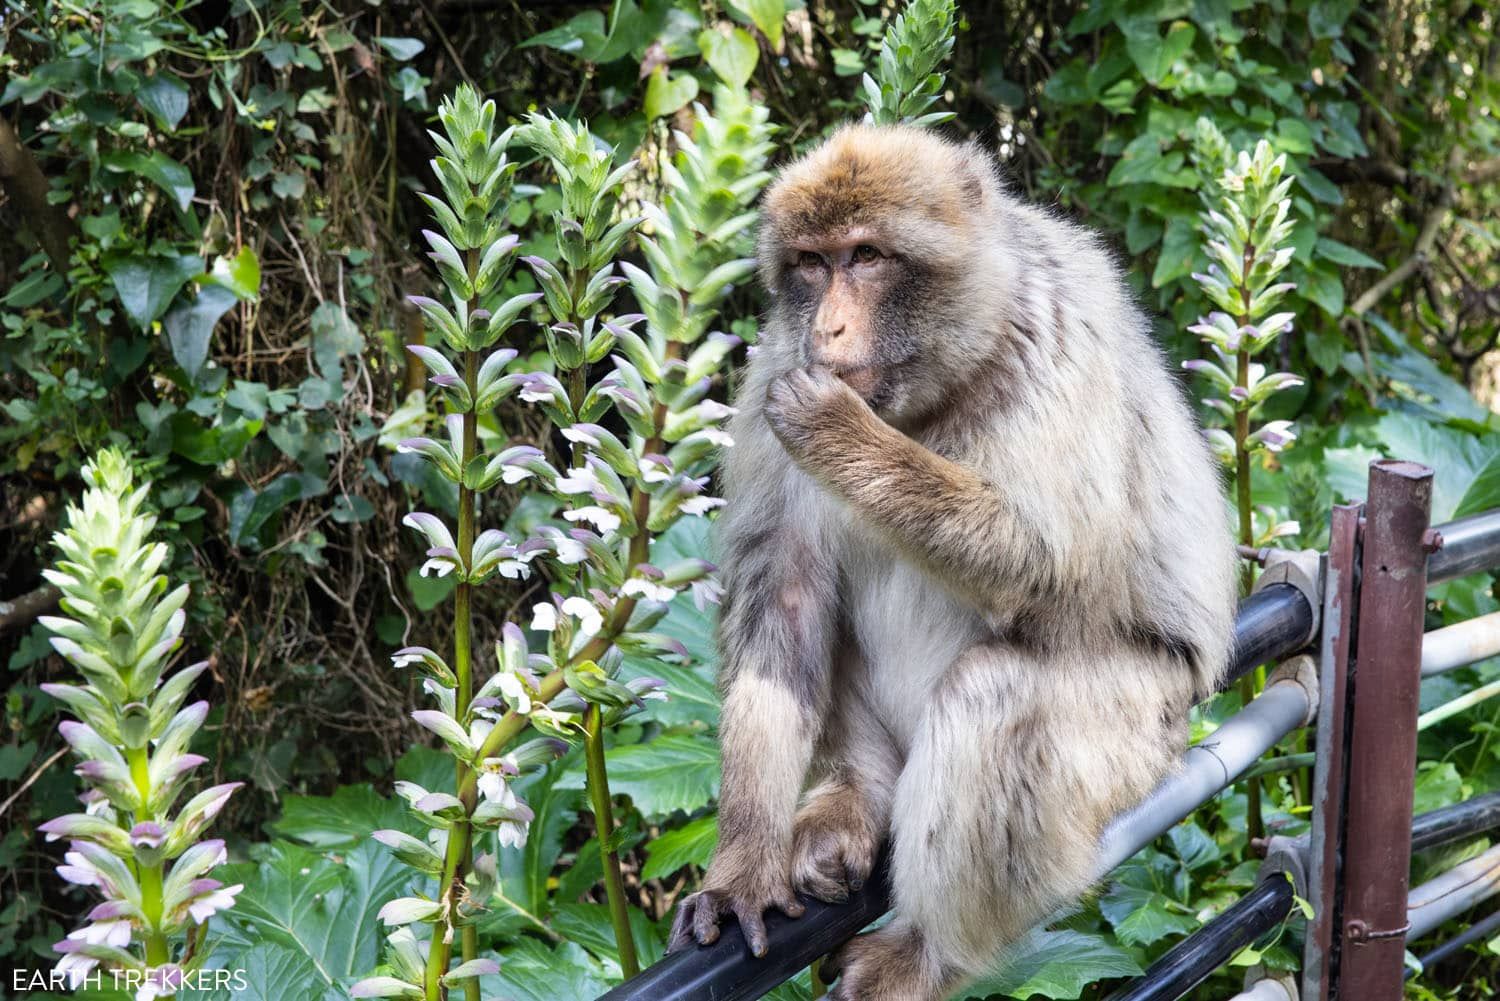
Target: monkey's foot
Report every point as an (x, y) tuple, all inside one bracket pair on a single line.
[(746, 898), (887, 965), (834, 842)]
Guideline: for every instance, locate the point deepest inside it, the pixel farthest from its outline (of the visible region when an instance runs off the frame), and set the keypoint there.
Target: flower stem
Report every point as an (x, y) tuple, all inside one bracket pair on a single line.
[(1243, 502), (149, 876), (604, 821), (460, 845)]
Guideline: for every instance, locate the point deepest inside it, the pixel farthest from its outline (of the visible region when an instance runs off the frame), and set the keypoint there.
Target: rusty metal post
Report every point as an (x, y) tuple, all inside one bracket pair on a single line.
[(1383, 732), (1340, 597)]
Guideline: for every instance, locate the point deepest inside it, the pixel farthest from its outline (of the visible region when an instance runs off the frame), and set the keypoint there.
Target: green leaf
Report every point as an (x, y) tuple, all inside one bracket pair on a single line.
[(673, 772), (530, 971), (1057, 964), (732, 56), (322, 908), (240, 274), (343, 819), (581, 35), (1325, 289), (147, 283), (1142, 917), (767, 15), (190, 326), (1179, 248), (591, 927), (171, 176), (263, 971), (401, 49), (1153, 55), (691, 844), (524, 874), (251, 509), (165, 98), (665, 94), (1342, 253)]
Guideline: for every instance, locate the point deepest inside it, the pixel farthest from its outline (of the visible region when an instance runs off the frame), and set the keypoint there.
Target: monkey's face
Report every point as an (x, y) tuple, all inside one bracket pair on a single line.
[(847, 289)]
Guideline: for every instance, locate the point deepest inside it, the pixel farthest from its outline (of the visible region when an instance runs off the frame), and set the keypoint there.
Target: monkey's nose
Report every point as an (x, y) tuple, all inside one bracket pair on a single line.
[(828, 335)]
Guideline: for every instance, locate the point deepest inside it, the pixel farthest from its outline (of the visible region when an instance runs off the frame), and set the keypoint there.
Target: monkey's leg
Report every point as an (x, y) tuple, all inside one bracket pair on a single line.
[(1020, 761), (846, 814), (776, 636)]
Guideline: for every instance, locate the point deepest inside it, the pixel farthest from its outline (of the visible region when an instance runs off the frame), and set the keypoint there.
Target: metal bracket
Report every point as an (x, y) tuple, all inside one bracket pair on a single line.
[(1286, 857), (1300, 670), (1303, 569)]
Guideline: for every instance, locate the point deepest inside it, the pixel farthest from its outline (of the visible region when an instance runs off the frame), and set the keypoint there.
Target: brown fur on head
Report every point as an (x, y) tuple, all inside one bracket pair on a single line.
[(876, 248)]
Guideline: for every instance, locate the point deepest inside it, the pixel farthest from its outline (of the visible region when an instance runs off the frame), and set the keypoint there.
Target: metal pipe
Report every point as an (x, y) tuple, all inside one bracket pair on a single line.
[(1191, 961), (1484, 928), (1448, 824), (1463, 703), (1267, 990), (1452, 893), (1460, 644), (1383, 730), (1468, 545), (1208, 766), (1273, 623)]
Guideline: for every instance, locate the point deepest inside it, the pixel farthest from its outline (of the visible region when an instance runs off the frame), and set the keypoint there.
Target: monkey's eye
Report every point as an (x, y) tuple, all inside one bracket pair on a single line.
[(865, 254), (808, 259)]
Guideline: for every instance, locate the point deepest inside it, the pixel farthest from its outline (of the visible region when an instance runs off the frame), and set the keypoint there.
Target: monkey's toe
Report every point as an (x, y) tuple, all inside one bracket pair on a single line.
[(829, 866), (885, 965)]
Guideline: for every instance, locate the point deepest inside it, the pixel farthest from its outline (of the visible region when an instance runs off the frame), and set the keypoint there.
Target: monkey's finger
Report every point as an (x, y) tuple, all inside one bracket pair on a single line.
[(754, 927), (682, 925), (706, 919), (854, 875), (787, 903)]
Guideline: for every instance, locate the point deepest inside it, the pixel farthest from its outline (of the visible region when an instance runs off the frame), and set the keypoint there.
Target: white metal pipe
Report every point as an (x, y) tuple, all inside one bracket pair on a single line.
[(1207, 767), (1452, 893), (1268, 990), (1460, 644)]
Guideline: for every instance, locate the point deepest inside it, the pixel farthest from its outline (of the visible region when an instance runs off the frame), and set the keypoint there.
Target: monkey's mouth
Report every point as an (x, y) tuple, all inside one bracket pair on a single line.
[(863, 379)]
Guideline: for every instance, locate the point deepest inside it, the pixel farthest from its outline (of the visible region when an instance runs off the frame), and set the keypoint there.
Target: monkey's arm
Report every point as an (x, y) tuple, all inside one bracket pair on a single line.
[(941, 514)]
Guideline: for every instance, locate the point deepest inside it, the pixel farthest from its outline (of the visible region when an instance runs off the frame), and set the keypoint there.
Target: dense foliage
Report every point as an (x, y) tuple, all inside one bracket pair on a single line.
[(214, 216)]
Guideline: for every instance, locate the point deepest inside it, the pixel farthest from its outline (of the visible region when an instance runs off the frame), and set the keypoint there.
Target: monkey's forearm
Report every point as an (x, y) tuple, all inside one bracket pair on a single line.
[(936, 511)]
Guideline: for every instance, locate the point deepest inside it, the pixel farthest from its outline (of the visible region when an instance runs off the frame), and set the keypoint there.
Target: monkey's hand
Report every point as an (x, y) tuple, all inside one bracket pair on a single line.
[(747, 894), (814, 413)]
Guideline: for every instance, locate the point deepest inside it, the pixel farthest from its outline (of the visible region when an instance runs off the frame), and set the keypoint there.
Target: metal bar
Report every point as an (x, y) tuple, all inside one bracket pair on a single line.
[(1469, 545), (1340, 599), (1208, 767), (1272, 624), (1484, 928), (1460, 644), (1268, 990), (1454, 823), (1383, 725), (1191, 961), (1449, 895)]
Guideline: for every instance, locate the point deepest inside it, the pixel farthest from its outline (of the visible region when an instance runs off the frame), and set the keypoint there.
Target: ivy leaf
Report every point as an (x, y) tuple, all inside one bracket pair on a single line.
[(767, 15), (146, 283), (240, 274), (171, 176), (1179, 247), (691, 844), (665, 93), (731, 55), (401, 49), (190, 326), (166, 98)]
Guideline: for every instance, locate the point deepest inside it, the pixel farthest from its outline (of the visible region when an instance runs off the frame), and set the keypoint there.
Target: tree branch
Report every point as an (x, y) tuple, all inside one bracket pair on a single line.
[(23, 611), (23, 181)]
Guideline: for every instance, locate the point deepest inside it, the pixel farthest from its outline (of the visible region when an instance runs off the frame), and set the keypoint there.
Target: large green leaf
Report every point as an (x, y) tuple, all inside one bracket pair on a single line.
[(1141, 916), (1057, 964), (521, 901), (345, 818), (320, 909), (165, 97), (1457, 460), (530, 971), (673, 772), (767, 15), (146, 283), (591, 927), (732, 55), (691, 844)]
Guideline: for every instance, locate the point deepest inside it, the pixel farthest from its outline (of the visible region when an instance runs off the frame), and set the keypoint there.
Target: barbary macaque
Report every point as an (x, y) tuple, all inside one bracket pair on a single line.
[(976, 561)]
